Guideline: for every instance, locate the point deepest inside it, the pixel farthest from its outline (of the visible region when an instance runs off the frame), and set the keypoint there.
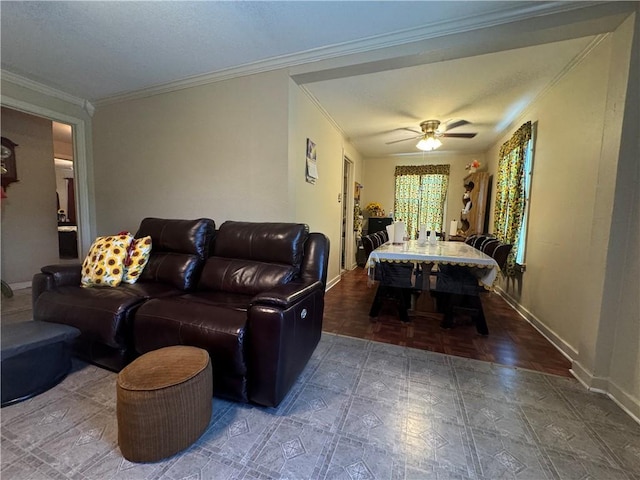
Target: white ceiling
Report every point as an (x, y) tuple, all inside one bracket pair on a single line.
[(374, 67)]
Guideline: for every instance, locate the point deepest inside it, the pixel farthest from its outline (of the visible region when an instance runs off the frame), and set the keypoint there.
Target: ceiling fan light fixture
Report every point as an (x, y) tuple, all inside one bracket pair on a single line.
[(428, 143)]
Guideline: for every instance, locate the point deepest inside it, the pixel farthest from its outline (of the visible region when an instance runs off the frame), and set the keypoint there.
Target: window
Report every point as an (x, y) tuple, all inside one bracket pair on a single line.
[(420, 195), (513, 186)]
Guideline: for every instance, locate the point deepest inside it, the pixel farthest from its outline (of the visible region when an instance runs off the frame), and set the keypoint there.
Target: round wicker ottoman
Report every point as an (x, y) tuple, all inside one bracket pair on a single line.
[(164, 402)]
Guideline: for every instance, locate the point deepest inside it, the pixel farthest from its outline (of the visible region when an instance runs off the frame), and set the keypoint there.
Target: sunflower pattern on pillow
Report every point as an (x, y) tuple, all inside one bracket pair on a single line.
[(104, 264), (137, 259)]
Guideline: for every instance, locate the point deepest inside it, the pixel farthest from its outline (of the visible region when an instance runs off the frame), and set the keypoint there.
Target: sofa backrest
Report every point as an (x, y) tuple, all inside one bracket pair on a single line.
[(252, 257), (179, 249)]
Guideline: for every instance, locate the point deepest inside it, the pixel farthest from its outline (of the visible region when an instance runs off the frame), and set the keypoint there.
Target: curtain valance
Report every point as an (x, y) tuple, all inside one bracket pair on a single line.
[(422, 170), (518, 140)]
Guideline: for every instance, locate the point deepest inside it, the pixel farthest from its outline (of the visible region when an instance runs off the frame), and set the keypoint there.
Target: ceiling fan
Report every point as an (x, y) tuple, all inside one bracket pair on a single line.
[(431, 131)]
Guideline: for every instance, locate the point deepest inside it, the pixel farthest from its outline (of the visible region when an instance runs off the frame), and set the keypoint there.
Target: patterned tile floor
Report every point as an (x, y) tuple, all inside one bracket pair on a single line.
[(361, 410)]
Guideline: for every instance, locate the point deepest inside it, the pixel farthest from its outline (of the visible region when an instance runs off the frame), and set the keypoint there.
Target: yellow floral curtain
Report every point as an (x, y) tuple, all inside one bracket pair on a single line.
[(420, 194), (510, 194)]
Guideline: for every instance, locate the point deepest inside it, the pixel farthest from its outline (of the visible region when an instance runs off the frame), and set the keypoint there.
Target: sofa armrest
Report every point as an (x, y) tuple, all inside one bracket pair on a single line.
[(280, 341), (53, 276), (284, 296), (63, 275)]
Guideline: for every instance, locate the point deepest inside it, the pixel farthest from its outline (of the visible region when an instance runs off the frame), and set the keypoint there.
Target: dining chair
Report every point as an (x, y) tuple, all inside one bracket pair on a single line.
[(479, 240), (394, 281), (501, 253), (383, 236), (456, 288), (489, 245)]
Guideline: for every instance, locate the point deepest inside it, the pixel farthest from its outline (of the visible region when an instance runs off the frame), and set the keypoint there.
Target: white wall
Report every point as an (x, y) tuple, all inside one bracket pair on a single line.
[(29, 224), (379, 179)]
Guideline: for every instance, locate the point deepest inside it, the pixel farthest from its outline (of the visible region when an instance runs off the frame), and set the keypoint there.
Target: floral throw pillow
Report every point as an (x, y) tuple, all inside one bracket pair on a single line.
[(104, 264), (137, 259)]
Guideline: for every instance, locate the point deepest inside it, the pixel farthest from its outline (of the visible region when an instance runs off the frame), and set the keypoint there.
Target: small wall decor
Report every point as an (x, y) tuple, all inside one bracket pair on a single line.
[(311, 164), (8, 156)]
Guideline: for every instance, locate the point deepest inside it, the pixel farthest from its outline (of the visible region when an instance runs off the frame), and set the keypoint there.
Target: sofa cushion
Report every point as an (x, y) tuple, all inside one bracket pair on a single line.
[(244, 276), (179, 236), (104, 264), (235, 301), (262, 242), (100, 313), (181, 321), (179, 250)]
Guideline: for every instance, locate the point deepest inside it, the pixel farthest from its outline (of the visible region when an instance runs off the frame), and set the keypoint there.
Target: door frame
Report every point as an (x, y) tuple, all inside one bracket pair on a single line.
[(80, 163), (346, 218)]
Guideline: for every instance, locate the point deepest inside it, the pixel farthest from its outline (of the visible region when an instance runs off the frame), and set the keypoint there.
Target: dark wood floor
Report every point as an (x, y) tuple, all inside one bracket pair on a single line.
[(511, 341)]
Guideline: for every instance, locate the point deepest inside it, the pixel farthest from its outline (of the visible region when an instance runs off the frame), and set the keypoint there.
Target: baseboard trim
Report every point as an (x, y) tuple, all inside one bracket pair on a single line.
[(563, 347), (20, 285), (590, 382), (332, 282), (604, 385)]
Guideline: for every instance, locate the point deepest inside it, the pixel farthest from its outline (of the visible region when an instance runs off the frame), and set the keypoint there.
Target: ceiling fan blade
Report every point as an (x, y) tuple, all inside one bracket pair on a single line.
[(458, 135), (459, 123), (404, 139)]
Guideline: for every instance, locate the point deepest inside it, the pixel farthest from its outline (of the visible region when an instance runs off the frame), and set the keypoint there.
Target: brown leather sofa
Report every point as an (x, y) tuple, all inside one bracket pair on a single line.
[(255, 303), (257, 309), (104, 315)]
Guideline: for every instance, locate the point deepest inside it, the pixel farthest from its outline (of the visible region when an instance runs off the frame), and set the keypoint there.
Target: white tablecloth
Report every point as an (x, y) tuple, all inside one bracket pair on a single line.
[(447, 253)]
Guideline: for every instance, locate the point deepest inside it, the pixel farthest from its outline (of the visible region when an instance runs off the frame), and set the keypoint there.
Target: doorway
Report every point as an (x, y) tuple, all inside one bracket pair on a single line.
[(65, 190)]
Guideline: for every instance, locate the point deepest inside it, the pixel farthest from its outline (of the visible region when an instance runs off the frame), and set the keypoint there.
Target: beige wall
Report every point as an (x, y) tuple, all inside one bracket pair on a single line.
[(379, 183), (317, 204), (233, 150), (217, 151), (29, 224), (618, 358), (562, 286), (576, 247)]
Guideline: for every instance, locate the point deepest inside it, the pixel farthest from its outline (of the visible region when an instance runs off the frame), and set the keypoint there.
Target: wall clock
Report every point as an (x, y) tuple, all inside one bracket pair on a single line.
[(8, 157)]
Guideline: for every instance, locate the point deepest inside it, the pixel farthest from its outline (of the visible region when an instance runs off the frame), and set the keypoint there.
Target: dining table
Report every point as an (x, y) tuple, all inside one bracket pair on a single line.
[(483, 266), (459, 269)]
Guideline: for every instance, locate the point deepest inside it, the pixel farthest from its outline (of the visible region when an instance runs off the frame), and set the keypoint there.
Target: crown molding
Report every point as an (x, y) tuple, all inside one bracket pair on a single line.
[(500, 16), (322, 110), (49, 91)]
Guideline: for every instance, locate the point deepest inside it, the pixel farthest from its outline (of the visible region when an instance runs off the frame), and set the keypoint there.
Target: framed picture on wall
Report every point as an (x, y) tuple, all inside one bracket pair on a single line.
[(311, 167)]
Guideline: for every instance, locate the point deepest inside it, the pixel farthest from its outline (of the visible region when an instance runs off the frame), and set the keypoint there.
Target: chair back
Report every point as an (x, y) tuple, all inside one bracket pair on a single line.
[(471, 239), (381, 237), (489, 245), (369, 243), (479, 241), (501, 253)]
